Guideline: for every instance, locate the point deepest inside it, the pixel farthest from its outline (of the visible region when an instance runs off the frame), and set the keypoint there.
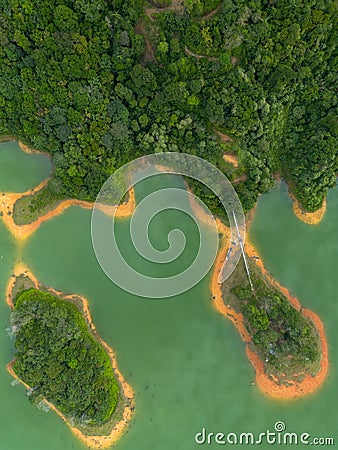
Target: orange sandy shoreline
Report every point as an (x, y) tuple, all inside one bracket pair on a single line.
[(267, 384), (25, 148), (311, 218), (21, 232), (96, 442)]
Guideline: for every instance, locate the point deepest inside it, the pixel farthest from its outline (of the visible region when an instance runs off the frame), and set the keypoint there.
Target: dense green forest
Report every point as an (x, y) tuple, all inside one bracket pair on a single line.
[(98, 83), (285, 340), (60, 360)]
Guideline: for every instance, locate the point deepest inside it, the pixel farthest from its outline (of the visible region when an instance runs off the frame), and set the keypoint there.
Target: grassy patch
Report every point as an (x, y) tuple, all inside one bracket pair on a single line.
[(22, 283), (30, 207)]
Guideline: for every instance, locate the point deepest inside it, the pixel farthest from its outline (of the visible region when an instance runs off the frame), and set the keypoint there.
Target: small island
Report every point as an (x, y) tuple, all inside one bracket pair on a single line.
[(63, 362)]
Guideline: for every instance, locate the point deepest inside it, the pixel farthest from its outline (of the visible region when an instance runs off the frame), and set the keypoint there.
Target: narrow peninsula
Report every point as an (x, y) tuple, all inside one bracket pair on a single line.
[(24, 212), (285, 342)]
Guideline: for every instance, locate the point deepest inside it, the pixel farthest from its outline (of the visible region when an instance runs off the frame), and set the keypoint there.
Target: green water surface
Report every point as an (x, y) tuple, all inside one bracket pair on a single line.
[(20, 171), (186, 363)]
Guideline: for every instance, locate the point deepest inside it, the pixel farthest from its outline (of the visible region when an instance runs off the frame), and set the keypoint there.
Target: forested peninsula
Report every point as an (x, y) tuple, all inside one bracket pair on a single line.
[(98, 83)]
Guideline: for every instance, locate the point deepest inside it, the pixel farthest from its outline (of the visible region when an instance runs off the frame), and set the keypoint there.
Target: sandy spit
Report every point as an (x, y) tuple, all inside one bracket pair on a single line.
[(269, 385)]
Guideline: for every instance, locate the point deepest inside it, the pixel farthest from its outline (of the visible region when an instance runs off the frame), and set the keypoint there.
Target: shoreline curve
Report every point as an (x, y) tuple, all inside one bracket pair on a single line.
[(310, 218), (22, 232)]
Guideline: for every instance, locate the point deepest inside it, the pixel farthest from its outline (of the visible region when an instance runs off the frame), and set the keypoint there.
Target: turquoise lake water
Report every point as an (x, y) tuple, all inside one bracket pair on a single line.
[(186, 363)]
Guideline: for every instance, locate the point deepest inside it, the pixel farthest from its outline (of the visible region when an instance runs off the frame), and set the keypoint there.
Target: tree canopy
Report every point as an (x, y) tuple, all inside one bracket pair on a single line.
[(98, 83), (60, 360)]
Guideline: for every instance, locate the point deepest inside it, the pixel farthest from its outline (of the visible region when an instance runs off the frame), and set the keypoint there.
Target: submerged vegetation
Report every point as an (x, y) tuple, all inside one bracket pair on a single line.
[(61, 361), (285, 340), (98, 83)]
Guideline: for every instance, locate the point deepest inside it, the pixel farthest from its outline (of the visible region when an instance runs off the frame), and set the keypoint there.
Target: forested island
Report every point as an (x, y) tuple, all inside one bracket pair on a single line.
[(58, 358), (63, 362), (97, 84)]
